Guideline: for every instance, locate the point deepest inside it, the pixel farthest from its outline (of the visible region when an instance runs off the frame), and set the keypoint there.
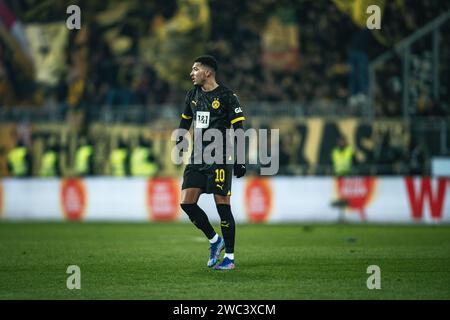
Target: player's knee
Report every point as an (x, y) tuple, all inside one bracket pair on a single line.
[(190, 209), (221, 200)]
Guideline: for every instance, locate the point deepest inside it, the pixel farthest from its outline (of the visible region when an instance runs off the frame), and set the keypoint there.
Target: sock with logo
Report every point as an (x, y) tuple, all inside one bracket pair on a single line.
[(227, 225)]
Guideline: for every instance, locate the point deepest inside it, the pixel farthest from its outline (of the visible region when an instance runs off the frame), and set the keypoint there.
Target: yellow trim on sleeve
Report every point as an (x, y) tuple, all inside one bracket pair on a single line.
[(237, 119), (185, 116)]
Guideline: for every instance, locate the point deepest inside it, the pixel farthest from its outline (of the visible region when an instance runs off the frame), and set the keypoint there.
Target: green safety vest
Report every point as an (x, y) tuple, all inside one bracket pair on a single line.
[(17, 160), (342, 161), (117, 159), (48, 164), (82, 160), (140, 166)]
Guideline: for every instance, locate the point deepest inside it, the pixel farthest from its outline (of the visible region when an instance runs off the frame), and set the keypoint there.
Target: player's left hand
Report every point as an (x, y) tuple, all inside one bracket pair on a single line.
[(239, 170)]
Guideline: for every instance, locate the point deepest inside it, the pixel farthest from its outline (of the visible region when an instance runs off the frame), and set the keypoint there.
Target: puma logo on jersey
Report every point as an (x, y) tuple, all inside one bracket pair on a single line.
[(219, 186), (237, 110), (194, 102)]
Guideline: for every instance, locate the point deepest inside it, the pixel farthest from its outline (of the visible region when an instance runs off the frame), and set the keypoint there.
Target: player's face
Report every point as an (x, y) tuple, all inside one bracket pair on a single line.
[(199, 74)]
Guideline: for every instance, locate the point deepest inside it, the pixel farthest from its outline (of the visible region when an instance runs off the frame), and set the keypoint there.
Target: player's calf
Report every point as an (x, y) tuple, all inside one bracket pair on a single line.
[(228, 226), (199, 219)]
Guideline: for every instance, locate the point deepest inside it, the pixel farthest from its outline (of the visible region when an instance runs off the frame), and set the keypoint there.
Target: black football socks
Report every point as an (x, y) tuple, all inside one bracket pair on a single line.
[(228, 226), (199, 218)]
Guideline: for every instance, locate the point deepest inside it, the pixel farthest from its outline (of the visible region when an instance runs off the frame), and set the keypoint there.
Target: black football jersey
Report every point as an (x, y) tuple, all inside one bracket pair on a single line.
[(218, 109)]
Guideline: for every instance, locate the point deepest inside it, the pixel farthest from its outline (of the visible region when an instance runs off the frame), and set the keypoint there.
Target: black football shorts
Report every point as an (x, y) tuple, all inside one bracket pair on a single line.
[(214, 179)]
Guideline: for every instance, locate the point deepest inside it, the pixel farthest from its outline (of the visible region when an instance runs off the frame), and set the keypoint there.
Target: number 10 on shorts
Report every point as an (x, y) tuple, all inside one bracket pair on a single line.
[(220, 175)]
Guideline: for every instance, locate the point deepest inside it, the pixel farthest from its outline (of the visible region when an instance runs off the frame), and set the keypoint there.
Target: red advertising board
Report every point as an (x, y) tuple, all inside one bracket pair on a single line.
[(258, 199), (357, 191), (426, 191), (163, 198), (73, 199)]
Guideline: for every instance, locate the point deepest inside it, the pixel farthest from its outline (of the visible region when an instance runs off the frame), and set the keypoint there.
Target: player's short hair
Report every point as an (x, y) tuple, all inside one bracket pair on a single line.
[(207, 60)]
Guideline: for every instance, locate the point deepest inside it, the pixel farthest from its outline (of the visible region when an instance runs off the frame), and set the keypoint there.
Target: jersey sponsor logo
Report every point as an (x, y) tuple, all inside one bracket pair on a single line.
[(194, 102), (162, 199), (237, 110), (202, 119), (258, 199), (431, 191), (73, 199), (216, 103), (357, 191)]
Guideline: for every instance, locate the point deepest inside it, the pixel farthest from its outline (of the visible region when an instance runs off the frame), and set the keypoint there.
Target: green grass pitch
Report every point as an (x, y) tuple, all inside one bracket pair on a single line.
[(168, 261)]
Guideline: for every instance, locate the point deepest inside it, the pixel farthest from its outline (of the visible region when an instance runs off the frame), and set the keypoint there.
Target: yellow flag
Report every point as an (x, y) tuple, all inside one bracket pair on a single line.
[(280, 41), (357, 9), (178, 41), (47, 43)]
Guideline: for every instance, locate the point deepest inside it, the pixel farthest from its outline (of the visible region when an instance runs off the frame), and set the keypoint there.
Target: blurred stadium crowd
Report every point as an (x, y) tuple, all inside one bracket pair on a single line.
[(118, 73), (134, 55)]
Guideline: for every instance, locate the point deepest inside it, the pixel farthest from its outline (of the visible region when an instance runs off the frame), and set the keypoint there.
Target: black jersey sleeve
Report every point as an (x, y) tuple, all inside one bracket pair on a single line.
[(186, 116), (187, 113), (235, 111)]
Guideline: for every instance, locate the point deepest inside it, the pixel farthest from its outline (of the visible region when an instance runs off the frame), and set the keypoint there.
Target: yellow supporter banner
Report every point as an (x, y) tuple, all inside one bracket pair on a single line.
[(357, 9), (280, 42), (178, 41), (48, 47), (308, 143), (7, 142)]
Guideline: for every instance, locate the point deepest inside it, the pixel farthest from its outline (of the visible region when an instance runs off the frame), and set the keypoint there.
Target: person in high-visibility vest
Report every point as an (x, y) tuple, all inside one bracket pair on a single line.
[(119, 160), (19, 161), (50, 161), (84, 158), (142, 161), (343, 158)]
